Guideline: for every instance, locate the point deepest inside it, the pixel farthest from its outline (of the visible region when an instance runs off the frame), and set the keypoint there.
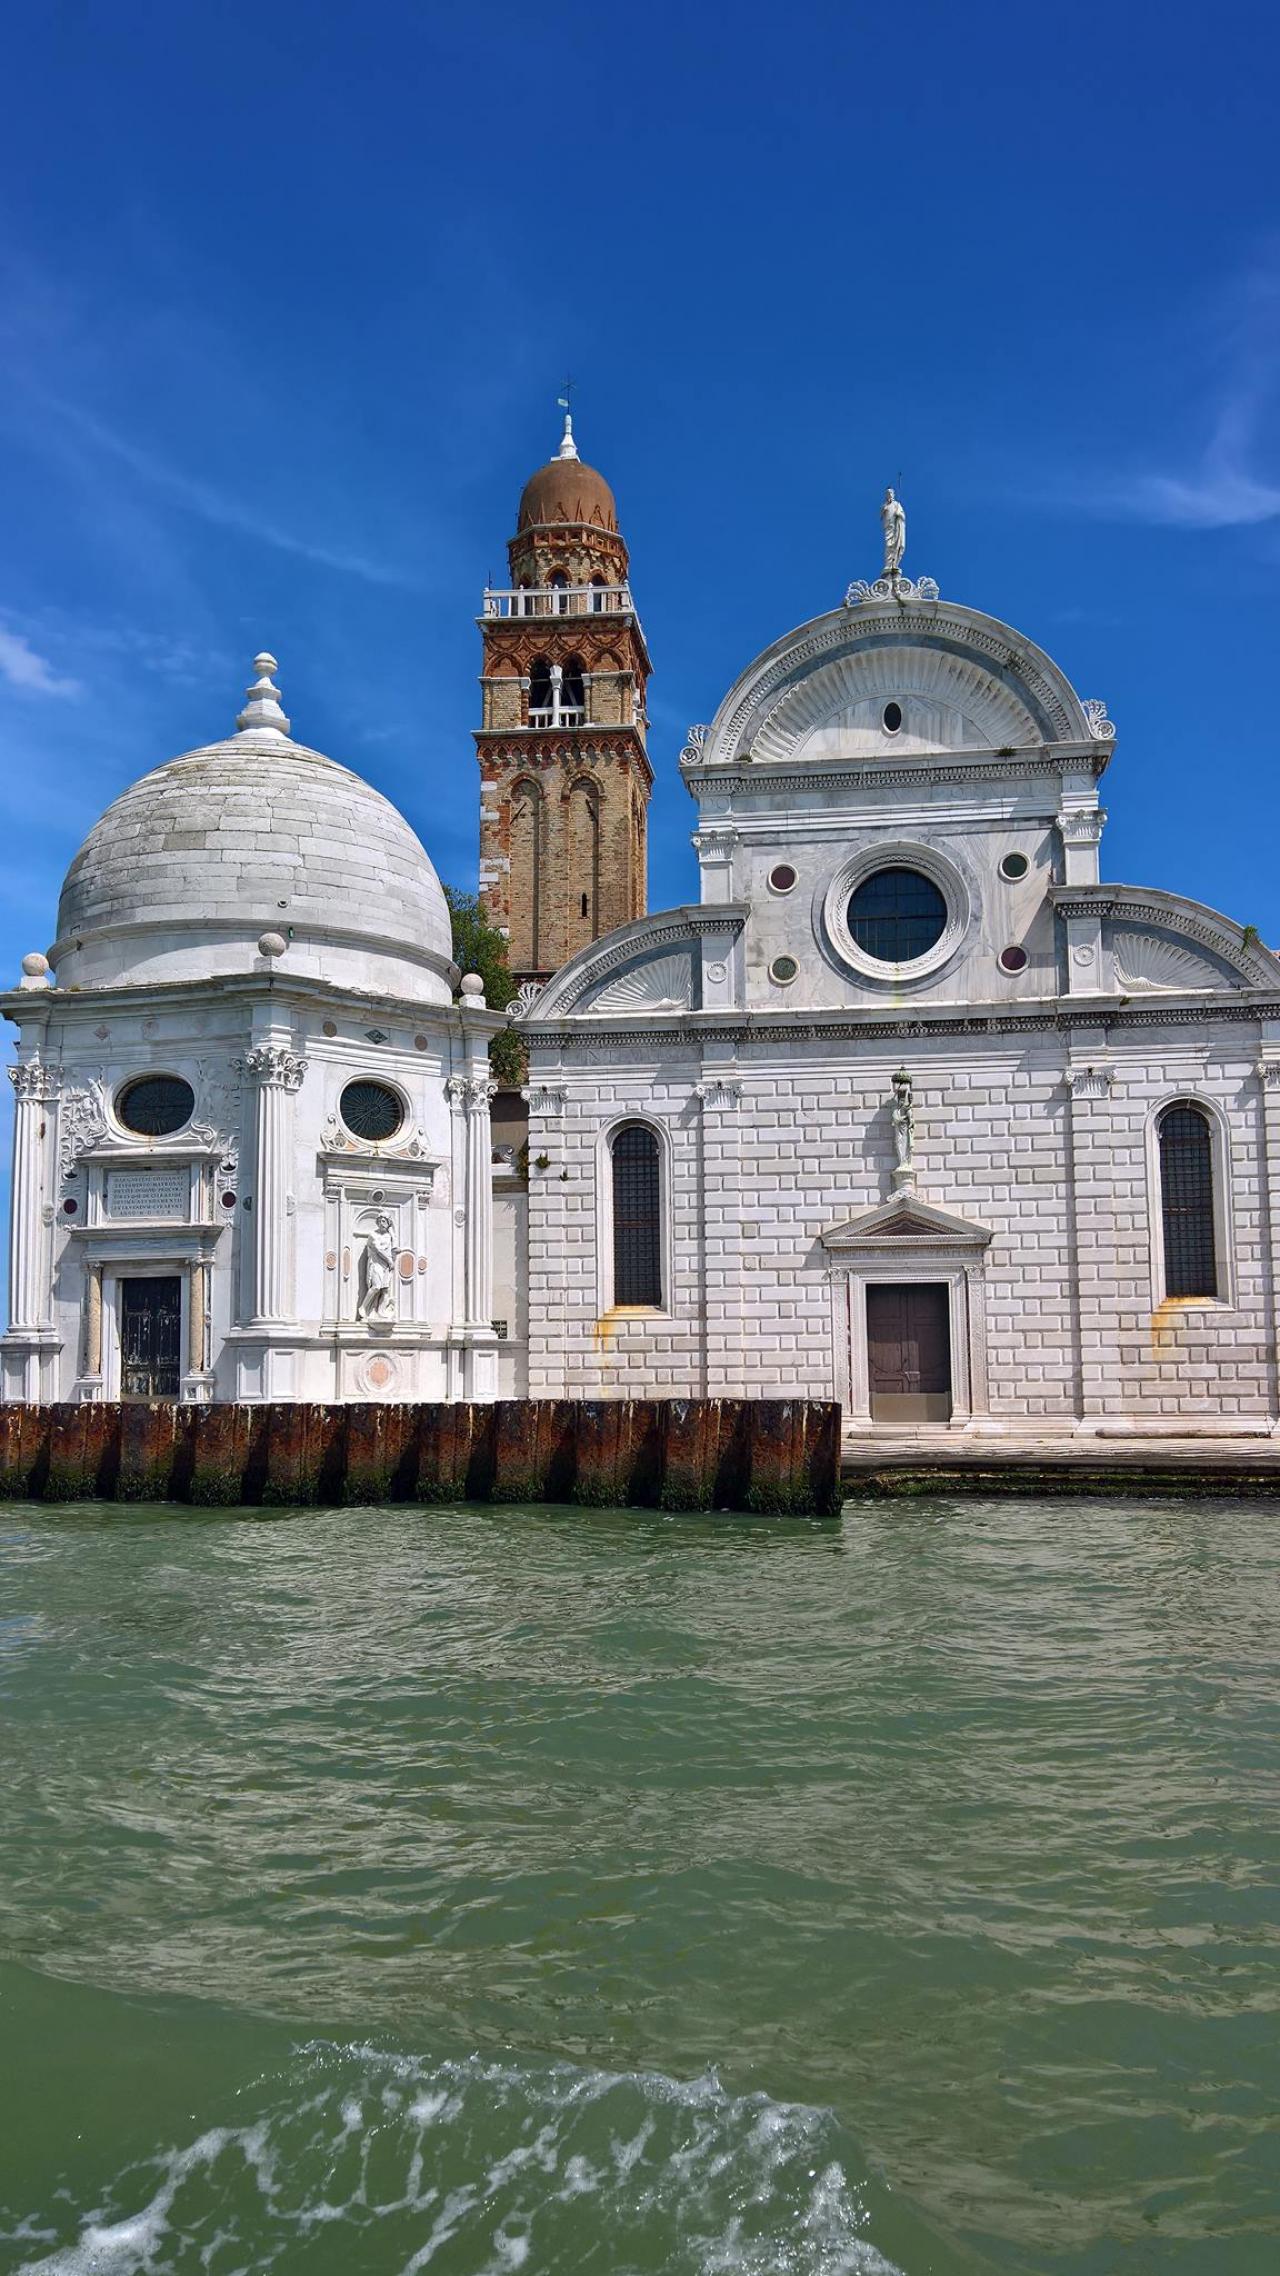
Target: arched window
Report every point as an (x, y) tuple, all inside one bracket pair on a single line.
[(597, 595), (1186, 1202), (559, 593), (584, 863), (637, 1233), (540, 692), (528, 833), (573, 696)]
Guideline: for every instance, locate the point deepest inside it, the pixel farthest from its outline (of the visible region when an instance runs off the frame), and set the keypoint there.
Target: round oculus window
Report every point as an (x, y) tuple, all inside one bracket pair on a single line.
[(897, 915), (783, 969), (782, 877), (891, 718), (154, 1106), (1013, 959), (372, 1111), (1014, 865)]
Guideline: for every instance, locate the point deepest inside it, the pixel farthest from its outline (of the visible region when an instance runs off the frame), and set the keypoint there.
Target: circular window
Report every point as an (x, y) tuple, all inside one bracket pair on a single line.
[(897, 915), (783, 969), (156, 1105), (891, 718), (1013, 959), (1014, 865), (782, 878), (371, 1110)]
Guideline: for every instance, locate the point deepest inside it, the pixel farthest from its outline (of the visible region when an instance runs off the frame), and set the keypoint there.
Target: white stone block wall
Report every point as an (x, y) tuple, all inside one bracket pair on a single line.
[(1061, 1181)]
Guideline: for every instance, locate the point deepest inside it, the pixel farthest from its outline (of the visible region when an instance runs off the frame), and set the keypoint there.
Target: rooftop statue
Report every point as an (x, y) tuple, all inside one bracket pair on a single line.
[(893, 522)]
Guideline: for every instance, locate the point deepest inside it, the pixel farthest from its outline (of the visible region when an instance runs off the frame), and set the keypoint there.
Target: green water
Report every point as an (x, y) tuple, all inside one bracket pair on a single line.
[(478, 1891)]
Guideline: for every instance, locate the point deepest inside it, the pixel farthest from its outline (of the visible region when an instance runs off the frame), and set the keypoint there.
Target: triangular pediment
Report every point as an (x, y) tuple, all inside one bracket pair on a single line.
[(906, 1219)]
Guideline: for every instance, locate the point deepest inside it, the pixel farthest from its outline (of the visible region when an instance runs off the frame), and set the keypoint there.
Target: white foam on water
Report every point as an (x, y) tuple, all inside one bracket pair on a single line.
[(522, 2167)]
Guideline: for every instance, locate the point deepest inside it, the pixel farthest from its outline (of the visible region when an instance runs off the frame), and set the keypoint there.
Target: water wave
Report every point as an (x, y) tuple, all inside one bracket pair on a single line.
[(479, 2166)]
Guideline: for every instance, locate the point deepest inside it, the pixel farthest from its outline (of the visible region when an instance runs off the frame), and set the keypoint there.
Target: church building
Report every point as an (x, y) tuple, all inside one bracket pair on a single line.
[(252, 1151), (908, 1108)]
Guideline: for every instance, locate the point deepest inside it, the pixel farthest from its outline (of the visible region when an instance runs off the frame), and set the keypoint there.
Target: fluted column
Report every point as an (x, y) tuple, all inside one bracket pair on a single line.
[(29, 1291), (277, 1074), (479, 1228)]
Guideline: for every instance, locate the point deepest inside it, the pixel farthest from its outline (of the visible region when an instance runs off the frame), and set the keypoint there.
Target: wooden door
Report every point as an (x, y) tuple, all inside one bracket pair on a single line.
[(150, 1337), (909, 1351)]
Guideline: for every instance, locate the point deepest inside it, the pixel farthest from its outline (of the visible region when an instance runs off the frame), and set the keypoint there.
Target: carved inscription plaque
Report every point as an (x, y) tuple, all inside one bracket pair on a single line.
[(161, 1195)]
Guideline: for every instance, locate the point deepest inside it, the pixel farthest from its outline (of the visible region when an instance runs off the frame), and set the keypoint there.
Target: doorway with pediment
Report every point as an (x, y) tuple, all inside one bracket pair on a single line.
[(909, 1317)]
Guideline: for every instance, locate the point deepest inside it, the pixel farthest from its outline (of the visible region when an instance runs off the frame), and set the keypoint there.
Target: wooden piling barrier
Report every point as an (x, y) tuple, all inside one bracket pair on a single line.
[(727, 1454)]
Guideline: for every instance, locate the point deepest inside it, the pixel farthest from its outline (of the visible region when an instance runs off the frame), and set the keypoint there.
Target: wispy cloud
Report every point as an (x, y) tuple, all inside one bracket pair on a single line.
[(217, 506), (26, 669), (1233, 480)]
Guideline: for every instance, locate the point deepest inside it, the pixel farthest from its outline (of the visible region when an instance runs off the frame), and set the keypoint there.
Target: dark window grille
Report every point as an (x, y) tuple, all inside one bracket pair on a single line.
[(1186, 1195), (371, 1111), (896, 915), (156, 1105), (637, 1245)]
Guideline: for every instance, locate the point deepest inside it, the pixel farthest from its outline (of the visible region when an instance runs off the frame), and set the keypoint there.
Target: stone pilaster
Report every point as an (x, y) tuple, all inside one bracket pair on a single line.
[(30, 1294), (1269, 1083), (276, 1073), (479, 1229), (1094, 1237)]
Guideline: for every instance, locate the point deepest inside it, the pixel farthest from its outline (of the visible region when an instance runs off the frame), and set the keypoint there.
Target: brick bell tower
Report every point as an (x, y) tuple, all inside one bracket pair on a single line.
[(565, 777)]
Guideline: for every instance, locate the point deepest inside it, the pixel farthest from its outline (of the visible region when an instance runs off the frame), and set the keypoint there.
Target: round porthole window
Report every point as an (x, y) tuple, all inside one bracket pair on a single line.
[(372, 1111), (154, 1106), (891, 718), (1013, 959), (783, 969), (897, 915), (1014, 865), (782, 877)]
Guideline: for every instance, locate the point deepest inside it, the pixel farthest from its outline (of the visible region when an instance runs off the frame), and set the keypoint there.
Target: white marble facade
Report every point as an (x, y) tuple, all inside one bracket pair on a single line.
[(248, 932), (1041, 1035)]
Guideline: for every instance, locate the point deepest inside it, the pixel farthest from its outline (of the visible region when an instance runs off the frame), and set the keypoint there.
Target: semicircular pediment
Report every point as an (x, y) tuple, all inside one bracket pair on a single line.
[(963, 680), (947, 703)]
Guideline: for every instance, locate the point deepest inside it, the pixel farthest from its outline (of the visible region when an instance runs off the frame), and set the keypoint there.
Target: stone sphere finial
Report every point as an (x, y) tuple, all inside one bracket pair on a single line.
[(473, 989), (272, 944), (35, 970), (263, 713)]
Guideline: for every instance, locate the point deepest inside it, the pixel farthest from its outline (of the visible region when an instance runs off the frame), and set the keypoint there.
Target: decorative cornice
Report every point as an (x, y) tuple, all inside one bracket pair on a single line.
[(694, 1027), (948, 767)]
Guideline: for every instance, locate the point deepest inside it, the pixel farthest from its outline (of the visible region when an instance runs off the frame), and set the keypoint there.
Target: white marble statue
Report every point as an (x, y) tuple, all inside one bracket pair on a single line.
[(893, 522), (904, 1128), (377, 1269)]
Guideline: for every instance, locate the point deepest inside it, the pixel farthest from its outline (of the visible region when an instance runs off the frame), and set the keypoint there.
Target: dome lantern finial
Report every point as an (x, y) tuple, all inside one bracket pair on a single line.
[(568, 447), (263, 713)]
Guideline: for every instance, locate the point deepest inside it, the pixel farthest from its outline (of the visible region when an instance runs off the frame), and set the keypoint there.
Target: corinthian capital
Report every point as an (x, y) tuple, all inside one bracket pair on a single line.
[(34, 1080), (273, 1066)]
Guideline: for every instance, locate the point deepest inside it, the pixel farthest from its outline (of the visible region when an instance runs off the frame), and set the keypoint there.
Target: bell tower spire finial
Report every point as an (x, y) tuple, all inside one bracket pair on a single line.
[(568, 447)]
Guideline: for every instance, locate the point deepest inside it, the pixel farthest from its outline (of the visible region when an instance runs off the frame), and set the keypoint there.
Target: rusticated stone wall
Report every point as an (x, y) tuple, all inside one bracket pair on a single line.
[(724, 1454)]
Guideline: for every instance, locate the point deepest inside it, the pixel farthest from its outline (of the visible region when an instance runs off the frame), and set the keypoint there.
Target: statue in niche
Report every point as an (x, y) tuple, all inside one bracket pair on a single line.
[(904, 1129), (377, 1272), (893, 522)]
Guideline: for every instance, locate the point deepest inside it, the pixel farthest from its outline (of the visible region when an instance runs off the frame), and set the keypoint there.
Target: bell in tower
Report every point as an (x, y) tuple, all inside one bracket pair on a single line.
[(565, 777)]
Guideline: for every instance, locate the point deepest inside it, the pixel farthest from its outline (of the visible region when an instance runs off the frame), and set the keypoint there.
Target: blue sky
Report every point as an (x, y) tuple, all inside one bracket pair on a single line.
[(288, 292)]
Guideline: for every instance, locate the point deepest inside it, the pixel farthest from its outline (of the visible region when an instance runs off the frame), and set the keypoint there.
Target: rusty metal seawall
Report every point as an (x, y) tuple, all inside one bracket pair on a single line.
[(726, 1454)]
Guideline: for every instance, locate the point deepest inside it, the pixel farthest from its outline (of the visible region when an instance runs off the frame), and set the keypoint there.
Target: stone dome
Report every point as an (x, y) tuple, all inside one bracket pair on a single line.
[(190, 866), (567, 492)]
